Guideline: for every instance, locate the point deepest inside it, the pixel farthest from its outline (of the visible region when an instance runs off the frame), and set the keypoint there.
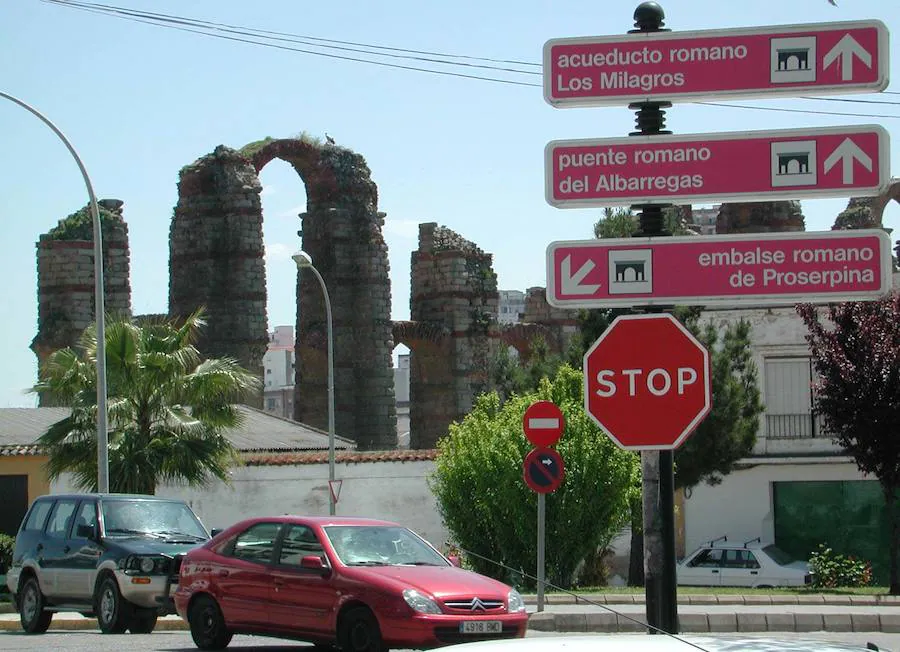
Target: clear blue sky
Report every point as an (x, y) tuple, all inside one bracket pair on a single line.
[(139, 102)]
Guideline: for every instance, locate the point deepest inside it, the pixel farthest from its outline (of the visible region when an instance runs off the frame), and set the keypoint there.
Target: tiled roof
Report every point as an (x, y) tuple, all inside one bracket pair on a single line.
[(260, 432), (350, 457), (14, 450), (20, 426)]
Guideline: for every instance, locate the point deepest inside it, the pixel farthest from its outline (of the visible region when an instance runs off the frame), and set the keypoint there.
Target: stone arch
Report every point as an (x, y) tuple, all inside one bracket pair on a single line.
[(881, 201), (216, 260), (521, 336)]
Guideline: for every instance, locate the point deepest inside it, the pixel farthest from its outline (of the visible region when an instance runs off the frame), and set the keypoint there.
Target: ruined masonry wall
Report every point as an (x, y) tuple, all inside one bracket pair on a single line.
[(65, 274), (216, 257), (453, 287)]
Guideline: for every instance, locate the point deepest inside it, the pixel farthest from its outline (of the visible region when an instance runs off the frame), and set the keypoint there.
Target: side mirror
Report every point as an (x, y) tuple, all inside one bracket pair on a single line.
[(454, 559), (313, 562), (85, 532), (216, 530)]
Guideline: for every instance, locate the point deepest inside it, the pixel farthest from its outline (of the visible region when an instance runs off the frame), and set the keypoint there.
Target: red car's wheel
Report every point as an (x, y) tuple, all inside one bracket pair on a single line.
[(359, 632), (208, 624)]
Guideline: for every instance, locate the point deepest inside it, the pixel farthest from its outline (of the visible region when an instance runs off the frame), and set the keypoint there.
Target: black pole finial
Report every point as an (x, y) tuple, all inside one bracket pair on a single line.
[(649, 17)]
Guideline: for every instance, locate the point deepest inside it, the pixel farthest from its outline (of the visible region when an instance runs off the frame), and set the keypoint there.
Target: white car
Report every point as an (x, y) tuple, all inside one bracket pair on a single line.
[(647, 643), (753, 563)]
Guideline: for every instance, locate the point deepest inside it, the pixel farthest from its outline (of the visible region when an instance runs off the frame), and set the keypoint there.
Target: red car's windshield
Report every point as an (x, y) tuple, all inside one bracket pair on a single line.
[(381, 545)]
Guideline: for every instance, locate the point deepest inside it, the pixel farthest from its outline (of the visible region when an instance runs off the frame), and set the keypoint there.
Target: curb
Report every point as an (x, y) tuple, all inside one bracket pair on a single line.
[(77, 622), (725, 599), (721, 622)]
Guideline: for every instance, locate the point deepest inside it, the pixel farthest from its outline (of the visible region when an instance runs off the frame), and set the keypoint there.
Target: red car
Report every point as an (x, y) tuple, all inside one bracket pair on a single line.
[(361, 584)]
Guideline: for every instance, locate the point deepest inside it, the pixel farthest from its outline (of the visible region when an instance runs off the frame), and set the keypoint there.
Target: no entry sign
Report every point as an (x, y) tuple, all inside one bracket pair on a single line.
[(543, 423), (821, 58), (720, 270), (751, 165), (543, 470)]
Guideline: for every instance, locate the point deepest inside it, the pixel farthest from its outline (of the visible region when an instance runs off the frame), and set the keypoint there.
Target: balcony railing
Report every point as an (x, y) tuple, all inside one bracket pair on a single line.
[(795, 426)]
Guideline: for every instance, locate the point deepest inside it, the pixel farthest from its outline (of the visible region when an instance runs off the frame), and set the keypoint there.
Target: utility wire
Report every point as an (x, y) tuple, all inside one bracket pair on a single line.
[(577, 597), (166, 20), (201, 27), (304, 51)]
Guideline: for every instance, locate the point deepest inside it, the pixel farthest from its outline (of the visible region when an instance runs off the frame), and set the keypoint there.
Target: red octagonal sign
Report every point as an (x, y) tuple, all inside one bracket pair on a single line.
[(647, 382)]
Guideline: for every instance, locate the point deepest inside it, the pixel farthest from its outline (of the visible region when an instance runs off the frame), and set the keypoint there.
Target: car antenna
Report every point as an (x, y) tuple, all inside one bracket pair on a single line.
[(757, 539)]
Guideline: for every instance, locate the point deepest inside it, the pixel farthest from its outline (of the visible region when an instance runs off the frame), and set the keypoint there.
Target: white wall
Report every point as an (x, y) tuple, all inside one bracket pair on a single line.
[(741, 507), (394, 491)]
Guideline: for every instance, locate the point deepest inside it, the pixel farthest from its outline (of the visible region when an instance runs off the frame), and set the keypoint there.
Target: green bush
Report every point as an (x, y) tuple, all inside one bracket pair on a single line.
[(490, 511), (831, 570), (6, 552)]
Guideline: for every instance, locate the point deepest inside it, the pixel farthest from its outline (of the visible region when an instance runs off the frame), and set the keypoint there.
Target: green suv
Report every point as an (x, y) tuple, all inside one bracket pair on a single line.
[(113, 556)]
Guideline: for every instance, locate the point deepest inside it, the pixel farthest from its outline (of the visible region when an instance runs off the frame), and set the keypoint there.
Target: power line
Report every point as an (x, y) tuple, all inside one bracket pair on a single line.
[(201, 27), (301, 50), (352, 46)]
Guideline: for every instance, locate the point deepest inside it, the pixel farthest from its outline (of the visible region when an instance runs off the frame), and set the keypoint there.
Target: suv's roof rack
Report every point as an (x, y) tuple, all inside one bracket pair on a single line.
[(757, 540), (712, 542)]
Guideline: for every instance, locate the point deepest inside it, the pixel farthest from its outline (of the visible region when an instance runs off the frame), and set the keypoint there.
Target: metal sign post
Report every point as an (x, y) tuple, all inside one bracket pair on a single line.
[(541, 527)]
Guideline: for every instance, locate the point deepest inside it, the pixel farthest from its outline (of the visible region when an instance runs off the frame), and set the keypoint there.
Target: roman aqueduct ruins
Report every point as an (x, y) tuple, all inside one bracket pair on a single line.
[(216, 259)]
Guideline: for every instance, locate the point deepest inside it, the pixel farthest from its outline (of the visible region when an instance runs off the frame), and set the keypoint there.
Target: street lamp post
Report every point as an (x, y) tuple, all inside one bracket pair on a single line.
[(303, 260), (99, 311)]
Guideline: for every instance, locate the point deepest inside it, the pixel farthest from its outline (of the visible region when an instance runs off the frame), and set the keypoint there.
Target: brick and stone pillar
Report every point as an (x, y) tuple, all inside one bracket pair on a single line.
[(216, 257), (65, 271), (454, 289)]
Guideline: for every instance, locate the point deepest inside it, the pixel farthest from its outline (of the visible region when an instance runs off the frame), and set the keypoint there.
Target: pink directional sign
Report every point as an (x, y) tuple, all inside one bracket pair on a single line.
[(687, 66), (751, 165), (720, 270)]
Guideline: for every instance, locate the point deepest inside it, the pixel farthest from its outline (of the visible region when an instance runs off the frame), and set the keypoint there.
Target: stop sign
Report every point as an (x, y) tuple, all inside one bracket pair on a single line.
[(647, 382)]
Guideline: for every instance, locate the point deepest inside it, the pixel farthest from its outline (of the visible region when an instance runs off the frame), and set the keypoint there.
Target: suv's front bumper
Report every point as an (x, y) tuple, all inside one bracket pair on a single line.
[(149, 591)]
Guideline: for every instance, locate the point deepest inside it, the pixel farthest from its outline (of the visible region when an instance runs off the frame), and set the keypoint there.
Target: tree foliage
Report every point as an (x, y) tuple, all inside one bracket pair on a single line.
[(512, 375), (167, 407), (856, 355), (728, 432), (490, 511)]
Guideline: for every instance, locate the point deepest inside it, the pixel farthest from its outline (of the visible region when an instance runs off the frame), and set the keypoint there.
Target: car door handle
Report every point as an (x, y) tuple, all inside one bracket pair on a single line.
[(715, 572), (754, 572), (222, 573)]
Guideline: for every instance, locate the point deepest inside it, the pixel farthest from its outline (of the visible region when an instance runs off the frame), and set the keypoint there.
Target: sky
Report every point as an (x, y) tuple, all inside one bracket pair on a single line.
[(140, 101)]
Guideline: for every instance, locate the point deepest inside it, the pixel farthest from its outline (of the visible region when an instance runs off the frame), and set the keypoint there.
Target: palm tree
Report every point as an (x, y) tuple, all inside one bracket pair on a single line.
[(168, 408)]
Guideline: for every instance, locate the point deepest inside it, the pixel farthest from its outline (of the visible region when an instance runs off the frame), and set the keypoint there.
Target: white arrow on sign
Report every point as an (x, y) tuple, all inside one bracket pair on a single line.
[(547, 462), (846, 152), (844, 50), (571, 283)]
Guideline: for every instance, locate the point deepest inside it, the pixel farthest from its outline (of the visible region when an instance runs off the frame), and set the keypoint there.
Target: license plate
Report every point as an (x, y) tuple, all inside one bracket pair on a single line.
[(481, 627)]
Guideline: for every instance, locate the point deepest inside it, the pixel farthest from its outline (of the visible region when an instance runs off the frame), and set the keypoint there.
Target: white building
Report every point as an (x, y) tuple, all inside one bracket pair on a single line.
[(278, 372), (706, 219), (797, 489), (401, 392), (510, 306)]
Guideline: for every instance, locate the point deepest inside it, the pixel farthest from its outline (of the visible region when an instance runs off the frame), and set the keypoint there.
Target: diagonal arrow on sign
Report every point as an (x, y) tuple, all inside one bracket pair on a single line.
[(846, 152), (571, 283), (845, 49)]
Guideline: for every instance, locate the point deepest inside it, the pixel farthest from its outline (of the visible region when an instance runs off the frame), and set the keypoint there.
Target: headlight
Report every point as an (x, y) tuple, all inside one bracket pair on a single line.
[(147, 565), (515, 602), (420, 602)]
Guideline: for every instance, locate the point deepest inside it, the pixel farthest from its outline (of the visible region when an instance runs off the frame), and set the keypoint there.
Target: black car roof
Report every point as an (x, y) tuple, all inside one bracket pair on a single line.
[(77, 496)]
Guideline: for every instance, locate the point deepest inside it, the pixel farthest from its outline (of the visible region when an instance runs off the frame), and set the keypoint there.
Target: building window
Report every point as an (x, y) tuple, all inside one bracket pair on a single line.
[(270, 403), (789, 413)]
